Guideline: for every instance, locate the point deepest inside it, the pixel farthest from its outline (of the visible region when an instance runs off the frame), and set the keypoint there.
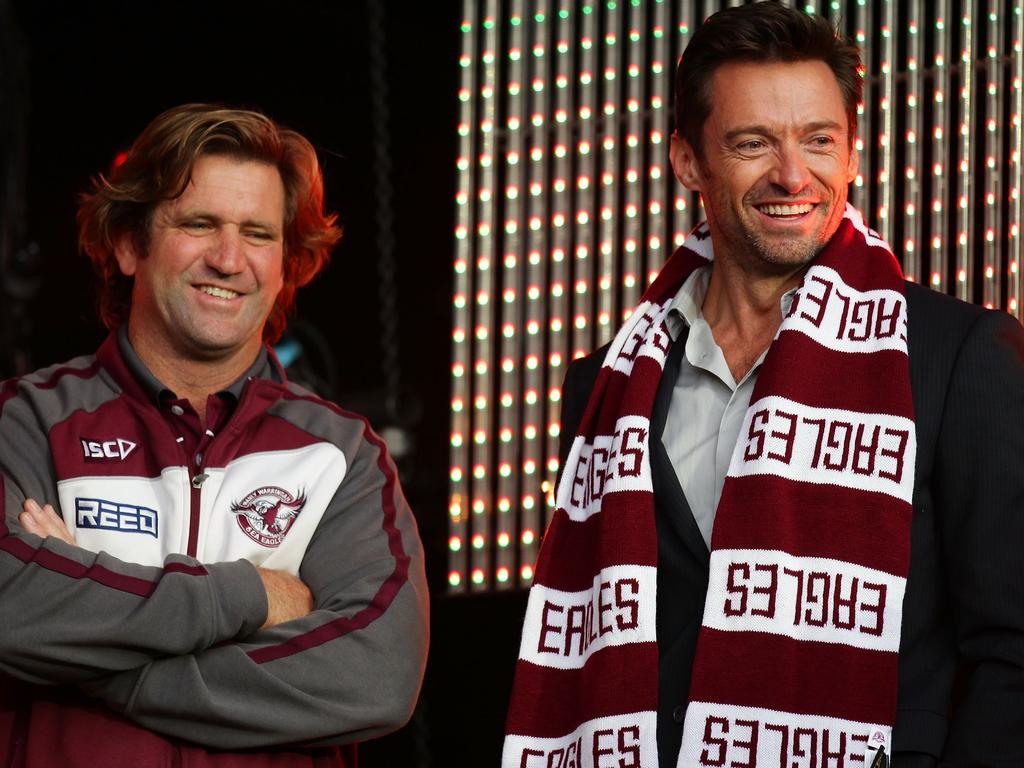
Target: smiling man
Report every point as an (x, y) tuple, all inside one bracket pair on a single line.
[(791, 494), (200, 563)]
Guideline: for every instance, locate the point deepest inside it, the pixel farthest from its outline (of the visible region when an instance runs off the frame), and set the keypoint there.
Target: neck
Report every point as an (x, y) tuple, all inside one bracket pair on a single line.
[(743, 311), (190, 378)]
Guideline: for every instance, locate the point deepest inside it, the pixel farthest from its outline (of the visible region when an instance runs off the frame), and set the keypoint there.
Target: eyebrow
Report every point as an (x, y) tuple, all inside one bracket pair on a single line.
[(764, 130)]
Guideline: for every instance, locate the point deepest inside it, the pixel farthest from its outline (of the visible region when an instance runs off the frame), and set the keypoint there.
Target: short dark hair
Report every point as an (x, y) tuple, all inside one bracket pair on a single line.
[(760, 32), (158, 167)]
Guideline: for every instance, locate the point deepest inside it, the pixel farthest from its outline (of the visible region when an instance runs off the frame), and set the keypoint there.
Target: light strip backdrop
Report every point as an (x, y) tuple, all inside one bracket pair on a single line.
[(566, 207)]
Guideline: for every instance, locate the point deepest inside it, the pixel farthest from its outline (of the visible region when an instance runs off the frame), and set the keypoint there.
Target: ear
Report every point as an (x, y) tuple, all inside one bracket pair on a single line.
[(126, 254), (685, 164), (853, 166)]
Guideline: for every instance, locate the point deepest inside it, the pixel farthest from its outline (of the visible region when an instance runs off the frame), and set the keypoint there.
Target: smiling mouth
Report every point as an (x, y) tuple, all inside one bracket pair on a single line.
[(784, 211), (220, 293)]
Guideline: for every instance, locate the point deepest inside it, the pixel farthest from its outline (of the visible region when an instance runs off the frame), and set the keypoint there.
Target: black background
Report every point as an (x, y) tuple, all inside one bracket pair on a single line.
[(96, 73)]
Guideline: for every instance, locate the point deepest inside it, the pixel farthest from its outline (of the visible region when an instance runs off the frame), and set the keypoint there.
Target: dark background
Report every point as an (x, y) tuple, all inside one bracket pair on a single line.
[(80, 80)]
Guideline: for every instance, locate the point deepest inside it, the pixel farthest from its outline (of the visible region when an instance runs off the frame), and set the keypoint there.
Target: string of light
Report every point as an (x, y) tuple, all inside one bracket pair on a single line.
[(566, 208)]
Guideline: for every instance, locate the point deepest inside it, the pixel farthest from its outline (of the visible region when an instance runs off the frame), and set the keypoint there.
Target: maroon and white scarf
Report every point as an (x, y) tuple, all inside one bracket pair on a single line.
[(797, 655)]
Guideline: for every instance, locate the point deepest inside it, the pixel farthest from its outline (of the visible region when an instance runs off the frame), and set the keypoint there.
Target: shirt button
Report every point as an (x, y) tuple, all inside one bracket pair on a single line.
[(177, 410), (199, 458), (679, 713)]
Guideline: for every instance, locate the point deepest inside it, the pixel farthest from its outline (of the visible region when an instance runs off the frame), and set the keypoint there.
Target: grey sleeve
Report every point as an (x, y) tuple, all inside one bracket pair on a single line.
[(348, 671), (979, 492), (70, 615)]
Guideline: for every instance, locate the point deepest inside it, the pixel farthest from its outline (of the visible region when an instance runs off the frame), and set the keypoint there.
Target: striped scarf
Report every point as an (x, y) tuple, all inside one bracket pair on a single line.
[(797, 654)]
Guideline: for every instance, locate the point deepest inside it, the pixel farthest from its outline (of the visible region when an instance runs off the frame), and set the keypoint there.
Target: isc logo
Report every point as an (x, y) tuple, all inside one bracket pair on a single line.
[(107, 449)]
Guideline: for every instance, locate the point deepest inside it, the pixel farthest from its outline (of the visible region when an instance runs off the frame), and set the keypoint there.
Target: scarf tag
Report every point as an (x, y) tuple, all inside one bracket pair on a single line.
[(875, 755)]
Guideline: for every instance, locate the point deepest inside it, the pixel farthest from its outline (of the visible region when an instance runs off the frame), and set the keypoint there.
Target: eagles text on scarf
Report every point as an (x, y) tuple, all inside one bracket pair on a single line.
[(797, 652)]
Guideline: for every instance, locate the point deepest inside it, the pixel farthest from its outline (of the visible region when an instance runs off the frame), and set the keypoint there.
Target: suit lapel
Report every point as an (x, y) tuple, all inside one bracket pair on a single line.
[(669, 498)]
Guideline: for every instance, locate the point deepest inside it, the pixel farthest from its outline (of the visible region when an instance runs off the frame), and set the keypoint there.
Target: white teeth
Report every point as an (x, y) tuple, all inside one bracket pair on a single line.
[(786, 210), (220, 293)]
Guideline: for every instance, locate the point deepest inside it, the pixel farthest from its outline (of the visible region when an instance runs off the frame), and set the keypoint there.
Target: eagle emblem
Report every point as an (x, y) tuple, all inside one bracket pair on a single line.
[(267, 514)]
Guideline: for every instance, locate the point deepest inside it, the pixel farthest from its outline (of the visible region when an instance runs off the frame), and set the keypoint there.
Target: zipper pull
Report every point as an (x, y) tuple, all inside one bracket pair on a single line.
[(198, 480)]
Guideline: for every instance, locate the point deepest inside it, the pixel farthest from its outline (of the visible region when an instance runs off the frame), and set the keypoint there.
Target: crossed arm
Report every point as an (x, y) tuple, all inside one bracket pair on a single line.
[(287, 597), (225, 654)]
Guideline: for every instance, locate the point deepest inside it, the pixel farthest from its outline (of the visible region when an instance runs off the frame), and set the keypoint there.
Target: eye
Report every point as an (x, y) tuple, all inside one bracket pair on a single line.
[(196, 225), (822, 142)]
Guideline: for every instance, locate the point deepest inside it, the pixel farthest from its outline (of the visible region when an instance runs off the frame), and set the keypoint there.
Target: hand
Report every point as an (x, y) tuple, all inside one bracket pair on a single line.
[(44, 521), (287, 597)]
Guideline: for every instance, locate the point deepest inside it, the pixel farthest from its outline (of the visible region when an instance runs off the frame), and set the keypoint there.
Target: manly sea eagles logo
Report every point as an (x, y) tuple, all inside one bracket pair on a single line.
[(267, 513)]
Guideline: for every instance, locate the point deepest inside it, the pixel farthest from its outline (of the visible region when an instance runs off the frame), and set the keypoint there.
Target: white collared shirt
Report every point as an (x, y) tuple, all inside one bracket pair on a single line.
[(708, 404)]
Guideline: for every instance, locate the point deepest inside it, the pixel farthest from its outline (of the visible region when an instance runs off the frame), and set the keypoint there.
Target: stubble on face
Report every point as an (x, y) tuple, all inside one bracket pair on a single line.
[(775, 164)]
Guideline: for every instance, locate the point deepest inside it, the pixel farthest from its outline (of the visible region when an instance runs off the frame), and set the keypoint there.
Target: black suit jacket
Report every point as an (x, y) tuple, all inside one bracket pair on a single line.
[(961, 662)]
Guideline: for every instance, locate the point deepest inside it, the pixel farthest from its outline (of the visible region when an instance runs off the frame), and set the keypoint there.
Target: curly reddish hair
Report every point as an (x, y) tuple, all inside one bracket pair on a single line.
[(158, 167)]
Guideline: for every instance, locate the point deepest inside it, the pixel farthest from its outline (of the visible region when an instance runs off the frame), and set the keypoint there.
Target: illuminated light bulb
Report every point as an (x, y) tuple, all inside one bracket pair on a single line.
[(455, 578), (505, 470), (531, 362), (480, 367), (479, 437), (556, 324), (456, 440), (507, 365), (990, 271), (502, 574), (526, 572), (529, 466), (555, 394), (455, 474), (478, 541), (555, 359), (479, 473), (458, 370), (506, 400), (936, 279), (553, 462), (532, 327), (478, 576), (961, 276), (459, 335), (580, 322)]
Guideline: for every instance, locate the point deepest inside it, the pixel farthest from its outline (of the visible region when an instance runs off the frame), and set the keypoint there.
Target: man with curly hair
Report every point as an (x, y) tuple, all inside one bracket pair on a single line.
[(200, 563)]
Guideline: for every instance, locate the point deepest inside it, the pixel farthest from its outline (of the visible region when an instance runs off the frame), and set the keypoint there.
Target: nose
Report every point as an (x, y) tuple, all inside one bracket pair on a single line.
[(790, 172), (227, 254)]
